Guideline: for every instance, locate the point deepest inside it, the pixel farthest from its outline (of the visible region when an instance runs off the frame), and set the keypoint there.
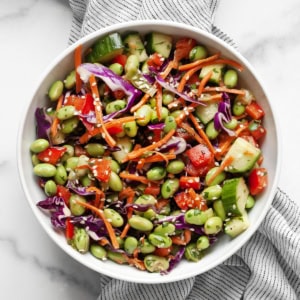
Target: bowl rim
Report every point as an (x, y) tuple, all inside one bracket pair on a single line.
[(69, 250)]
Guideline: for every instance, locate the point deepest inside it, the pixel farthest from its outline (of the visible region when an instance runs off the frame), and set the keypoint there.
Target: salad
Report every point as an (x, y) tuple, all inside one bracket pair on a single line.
[(149, 150)]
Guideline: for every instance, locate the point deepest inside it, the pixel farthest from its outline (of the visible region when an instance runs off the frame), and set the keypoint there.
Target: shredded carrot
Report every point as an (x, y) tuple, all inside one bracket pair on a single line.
[(141, 151), (107, 224), (184, 114), (98, 110), (229, 62), (202, 134), (114, 122), (103, 242), (187, 235), (215, 97), (134, 177), (77, 59), (192, 132), (55, 122), (143, 101), (203, 82), (223, 89), (196, 63), (225, 163), (139, 264), (162, 203), (187, 76), (130, 199), (176, 104), (168, 69), (182, 239), (157, 157), (99, 196), (158, 99)]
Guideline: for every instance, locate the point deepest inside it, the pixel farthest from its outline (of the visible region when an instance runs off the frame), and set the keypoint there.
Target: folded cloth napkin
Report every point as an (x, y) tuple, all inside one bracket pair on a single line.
[(268, 266)]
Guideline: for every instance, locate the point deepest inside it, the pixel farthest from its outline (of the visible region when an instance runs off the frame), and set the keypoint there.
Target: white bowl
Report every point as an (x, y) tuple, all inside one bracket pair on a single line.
[(225, 247)]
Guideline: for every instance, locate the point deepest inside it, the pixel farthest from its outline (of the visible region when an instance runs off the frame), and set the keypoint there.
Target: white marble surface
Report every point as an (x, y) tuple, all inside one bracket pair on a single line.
[(32, 33)]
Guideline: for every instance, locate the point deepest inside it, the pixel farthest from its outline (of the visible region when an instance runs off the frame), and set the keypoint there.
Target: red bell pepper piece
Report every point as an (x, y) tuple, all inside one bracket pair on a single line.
[(257, 130), (184, 201), (200, 156), (51, 155), (186, 182), (101, 168), (257, 180), (69, 230), (254, 110), (120, 59), (64, 193)]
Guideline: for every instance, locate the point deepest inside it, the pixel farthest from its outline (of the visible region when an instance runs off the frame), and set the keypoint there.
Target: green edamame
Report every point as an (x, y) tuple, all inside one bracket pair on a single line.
[(212, 192), (50, 188), (115, 219), (211, 131), (192, 253), (69, 125), (145, 113), (34, 160), (146, 199), (231, 124), (231, 78), (115, 183), (130, 244), (75, 207), (86, 180), (160, 241), (114, 106), (81, 240), (156, 173), (70, 80), (98, 251), (69, 153), (61, 175), (170, 123), (167, 97), (117, 68), (39, 145), (55, 90), (140, 223), (71, 163), (238, 108), (155, 263), (250, 202), (116, 257), (114, 166), (131, 128), (195, 216), (169, 187), (146, 247), (149, 214), (202, 242), (198, 52), (65, 112), (94, 149), (165, 229), (175, 167), (213, 225), (44, 170)]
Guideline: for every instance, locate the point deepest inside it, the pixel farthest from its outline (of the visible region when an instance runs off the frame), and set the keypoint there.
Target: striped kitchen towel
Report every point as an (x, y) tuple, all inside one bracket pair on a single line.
[(268, 266)]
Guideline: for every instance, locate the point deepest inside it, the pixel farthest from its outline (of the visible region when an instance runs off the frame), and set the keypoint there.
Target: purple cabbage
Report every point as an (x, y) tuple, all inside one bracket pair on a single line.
[(79, 190), (176, 259), (158, 126), (114, 81), (177, 143), (43, 123)]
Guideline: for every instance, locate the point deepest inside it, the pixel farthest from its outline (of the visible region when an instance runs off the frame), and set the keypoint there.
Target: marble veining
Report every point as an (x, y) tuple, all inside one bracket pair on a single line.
[(32, 33)]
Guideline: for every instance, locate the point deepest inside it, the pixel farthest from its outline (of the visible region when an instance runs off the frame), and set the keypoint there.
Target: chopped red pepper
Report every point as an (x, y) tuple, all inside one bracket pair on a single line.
[(153, 190), (118, 128), (69, 230), (120, 59), (257, 180), (200, 156), (64, 193), (51, 155), (254, 110), (186, 182), (155, 60), (101, 168), (257, 130), (184, 201)]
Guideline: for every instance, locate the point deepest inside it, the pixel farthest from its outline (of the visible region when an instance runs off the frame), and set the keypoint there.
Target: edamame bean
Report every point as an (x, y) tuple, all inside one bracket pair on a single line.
[(231, 78), (176, 113), (114, 182), (69, 152), (65, 112), (212, 192), (175, 167), (115, 219), (167, 97), (69, 125), (116, 257), (131, 128), (61, 175), (39, 145), (146, 247), (250, 202), (81, 240), (144, 112), (218, 179), (50, 188), (238, 108), (94, 149), (219, 209), (165, 229), (155, 263), (131, 66), (34, 160), (98, 251), (130, 244), (117, 68), (114, 166), (169, 187), (149, 214), (120, 241), (77, 209), (156, 173), (211, 131), (55, 90), (202, 242), (146, 199), (71, 163), (114, 106), (140, 223), (160, 241), (44, 170), (86, 180), (192, 253), (164, 113), (198, 52), (195, 216), (70, 80), (231, 124), (170, 123), (213, 225)]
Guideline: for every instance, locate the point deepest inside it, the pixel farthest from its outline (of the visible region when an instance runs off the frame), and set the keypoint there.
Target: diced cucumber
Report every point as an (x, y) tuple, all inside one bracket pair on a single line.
[(207, 112), (236, 225), (125, 144), (134, 45), (158, 42), (106, 48), (244, 156), (234, 196), (217, 69)]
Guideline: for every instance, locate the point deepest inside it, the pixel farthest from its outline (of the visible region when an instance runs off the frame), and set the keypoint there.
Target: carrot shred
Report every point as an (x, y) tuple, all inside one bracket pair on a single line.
[(143, 101), (107, 224), (182, 239), (55, 122), (202, 134), (229, 62), (203, 82), (168, 69), (99, 196), (186, 77), (158, 99), (77, 59), (196, 63), (130, 197), (134, 177), (141, 151), (225, 163), (184, 114), (223, 89), (192, 132)]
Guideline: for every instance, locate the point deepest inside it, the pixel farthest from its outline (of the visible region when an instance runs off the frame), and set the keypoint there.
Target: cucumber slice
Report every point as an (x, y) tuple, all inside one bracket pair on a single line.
[(244, 156), (235, 226), (234, 196), (159, 42), (218, 70), (134, 45), (125, 144), (207, 112), (105, 49)]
